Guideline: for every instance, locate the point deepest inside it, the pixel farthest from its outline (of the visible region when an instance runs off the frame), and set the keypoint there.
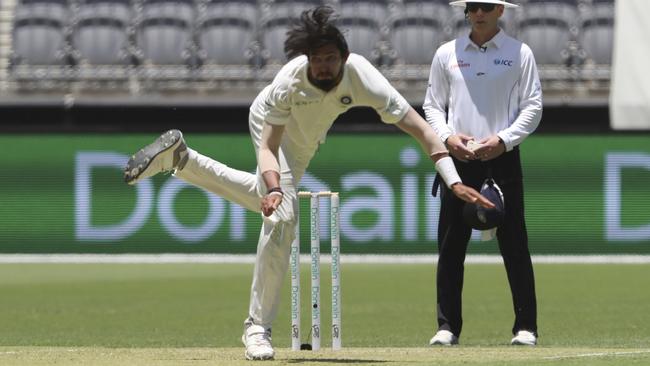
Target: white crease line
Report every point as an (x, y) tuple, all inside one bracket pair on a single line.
[(599, 354)]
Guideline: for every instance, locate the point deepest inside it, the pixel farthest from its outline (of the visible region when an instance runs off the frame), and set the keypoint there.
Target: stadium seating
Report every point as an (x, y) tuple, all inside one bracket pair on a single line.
[(164, 35), (39, 35), (548, 26), (460, 27), (362, 23), (416, 39), (597, 32), (226, 32), (144, 43), (230, 32), (418, 30), (100, 35)]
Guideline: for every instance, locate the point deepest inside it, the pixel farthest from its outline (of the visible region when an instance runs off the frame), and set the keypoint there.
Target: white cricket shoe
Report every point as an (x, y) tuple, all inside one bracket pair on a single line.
[(524, 338), (258, 343), (443, 338), (167, 153)]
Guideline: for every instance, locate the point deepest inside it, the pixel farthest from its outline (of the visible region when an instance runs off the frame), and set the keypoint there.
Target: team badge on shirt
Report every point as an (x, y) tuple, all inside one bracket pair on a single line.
[(346, 100)]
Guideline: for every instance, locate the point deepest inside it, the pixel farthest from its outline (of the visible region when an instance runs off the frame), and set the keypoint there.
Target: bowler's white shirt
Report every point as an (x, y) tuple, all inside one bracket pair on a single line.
[(308, 112), (488, 90)]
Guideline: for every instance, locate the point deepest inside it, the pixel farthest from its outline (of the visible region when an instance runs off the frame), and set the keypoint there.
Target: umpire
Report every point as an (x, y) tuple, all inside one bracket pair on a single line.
[(484, 98)]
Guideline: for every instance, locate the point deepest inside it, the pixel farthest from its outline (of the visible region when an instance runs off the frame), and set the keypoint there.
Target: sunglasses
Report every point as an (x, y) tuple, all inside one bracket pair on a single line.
[(486, 7)]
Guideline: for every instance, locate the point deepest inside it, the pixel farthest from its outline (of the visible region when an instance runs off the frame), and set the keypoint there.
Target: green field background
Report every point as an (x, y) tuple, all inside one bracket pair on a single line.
[(564, 179), (204, 305)]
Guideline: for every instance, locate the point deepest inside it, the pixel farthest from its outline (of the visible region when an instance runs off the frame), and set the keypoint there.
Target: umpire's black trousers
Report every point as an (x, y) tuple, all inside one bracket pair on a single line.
[(454, 235)]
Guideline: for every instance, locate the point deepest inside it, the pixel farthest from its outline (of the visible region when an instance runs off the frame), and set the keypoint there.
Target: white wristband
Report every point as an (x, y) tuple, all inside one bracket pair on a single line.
[(445, 167)]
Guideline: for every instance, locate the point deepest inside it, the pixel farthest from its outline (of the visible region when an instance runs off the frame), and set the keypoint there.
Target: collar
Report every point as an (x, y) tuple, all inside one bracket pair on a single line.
[(496, 41)]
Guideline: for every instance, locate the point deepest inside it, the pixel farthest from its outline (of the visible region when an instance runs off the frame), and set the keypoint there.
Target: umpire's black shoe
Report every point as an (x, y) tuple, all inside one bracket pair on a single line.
[(167, 153)]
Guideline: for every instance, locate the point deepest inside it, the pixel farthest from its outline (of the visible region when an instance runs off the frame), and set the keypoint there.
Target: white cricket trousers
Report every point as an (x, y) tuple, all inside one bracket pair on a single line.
[(278, 230)]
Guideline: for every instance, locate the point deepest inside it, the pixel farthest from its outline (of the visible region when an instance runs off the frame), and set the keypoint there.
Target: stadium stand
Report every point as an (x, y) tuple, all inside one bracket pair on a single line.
[(418, 29), (209, 46), (548, 26), (165, 32), (226, 32), (597, 31), (102, 51), (101, 32), (40, 53), (40, 32), (363, 25)]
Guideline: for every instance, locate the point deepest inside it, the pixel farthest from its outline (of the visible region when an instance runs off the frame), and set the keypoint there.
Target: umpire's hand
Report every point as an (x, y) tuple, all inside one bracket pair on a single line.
[(490, 148), (469, 194), (457, 146)]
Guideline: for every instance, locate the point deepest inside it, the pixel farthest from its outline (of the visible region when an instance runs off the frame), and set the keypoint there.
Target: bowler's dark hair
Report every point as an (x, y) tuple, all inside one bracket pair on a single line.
[(314, 30)]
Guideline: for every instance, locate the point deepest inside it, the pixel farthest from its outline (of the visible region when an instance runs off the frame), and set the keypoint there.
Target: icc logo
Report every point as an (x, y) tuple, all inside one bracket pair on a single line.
[(502, 62), (295, 332)]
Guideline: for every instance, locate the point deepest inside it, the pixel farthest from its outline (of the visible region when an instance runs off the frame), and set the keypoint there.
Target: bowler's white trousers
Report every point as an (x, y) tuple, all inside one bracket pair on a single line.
[(278, 230)]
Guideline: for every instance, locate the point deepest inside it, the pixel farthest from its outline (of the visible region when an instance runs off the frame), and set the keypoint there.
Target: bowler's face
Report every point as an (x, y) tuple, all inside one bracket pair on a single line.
[(325, 66)]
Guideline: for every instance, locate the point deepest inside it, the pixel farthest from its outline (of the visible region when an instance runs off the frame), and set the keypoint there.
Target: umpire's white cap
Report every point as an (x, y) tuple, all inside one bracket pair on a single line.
[(498, 2)]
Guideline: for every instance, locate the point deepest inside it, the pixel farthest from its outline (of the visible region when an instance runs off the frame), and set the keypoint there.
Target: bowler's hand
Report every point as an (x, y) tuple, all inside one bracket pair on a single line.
[(491, 148), (469, 194), (457, 145), (270, 203)]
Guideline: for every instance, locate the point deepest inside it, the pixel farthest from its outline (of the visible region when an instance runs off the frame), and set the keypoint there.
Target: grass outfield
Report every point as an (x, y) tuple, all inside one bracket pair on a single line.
[(173, 314)]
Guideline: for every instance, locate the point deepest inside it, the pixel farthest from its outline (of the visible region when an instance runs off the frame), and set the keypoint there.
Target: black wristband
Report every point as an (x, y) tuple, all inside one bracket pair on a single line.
[(275, 189)]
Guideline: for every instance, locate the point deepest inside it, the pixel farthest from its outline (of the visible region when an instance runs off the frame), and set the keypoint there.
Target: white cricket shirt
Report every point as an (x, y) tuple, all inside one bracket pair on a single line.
[(493, 89), (308, 112)]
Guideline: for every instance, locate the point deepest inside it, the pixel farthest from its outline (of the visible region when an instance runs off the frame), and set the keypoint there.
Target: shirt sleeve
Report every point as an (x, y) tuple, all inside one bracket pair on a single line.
[(436, 98), (530, 102), (277, 105), (381, 95)]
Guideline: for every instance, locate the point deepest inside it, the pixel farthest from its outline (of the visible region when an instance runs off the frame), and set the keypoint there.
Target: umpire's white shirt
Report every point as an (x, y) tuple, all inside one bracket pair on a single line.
[(308, 112), (493, 89)]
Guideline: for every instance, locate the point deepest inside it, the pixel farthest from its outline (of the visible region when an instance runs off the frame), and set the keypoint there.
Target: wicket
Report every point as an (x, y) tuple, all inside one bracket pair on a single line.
[(314, 216)]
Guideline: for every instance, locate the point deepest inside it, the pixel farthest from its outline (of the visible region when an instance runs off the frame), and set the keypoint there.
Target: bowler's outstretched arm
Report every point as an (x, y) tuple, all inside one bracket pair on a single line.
[(416, 126)]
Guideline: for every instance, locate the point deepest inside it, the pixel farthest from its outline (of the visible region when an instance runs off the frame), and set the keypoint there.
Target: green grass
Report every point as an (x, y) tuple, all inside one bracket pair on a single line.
[(462, 355), (193, 313)]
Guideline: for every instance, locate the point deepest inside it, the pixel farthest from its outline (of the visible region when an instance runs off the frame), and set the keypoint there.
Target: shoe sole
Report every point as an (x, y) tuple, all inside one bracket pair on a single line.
[(251, 358), (518, 343), (140, 162), (443, 344)]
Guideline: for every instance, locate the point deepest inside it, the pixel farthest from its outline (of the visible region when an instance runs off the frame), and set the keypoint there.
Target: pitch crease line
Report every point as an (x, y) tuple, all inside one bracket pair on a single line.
[(598, 354)]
